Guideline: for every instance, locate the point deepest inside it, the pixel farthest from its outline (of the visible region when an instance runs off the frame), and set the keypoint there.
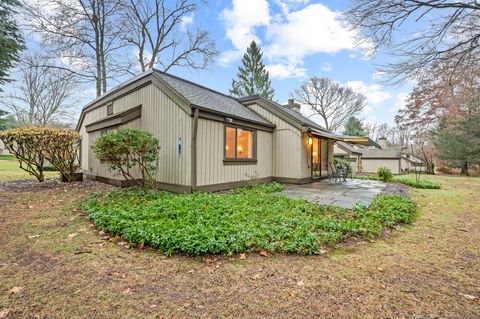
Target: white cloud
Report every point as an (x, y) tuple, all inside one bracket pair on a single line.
[(241, 21), (300, 29), (374, 92), (287, 5), (313, 29), (286, 70), (400, 102), (327, 67), (186, 21), (378, 75)]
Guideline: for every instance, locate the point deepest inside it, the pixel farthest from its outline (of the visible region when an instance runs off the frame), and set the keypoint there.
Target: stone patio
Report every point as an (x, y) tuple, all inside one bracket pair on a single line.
[(344, 195)]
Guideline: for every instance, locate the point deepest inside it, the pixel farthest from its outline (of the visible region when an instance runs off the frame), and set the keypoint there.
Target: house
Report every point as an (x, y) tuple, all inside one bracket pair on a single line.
[(369, 159), (3, 150), (209, 141)]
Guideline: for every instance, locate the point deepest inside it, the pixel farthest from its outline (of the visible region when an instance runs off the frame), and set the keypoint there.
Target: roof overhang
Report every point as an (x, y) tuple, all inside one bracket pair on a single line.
[(361, 140)]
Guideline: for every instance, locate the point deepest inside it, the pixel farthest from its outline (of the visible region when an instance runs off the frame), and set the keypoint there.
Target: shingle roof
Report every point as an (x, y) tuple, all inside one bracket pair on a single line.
[(296, 116), (349, 147), (209, 99)]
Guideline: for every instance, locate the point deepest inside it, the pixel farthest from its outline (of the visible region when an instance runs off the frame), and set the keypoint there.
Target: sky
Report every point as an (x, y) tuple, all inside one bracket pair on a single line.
[(299, 39)]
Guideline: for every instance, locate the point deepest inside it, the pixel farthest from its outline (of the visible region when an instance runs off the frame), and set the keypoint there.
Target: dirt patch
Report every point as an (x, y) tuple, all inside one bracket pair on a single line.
[(430, 269)]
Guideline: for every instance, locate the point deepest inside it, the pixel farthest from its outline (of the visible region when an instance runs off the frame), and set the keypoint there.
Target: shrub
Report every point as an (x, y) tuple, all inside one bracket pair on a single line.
[(130, 151), (61, 148), (346, 165), (384, 174), (245, 219), (425, 184), (26, 144), (34, 146)]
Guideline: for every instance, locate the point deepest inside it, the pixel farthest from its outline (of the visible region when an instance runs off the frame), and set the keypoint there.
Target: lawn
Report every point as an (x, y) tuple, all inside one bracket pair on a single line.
[(54, 263), (10, 170), (244, 220)]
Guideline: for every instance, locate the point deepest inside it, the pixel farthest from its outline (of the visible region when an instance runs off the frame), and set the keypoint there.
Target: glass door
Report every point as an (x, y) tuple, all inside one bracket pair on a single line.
[(319, 157), (316, 155)]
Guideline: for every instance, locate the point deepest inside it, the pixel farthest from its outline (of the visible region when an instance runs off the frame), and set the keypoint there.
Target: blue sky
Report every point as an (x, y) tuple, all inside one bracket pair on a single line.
[(300, 39)]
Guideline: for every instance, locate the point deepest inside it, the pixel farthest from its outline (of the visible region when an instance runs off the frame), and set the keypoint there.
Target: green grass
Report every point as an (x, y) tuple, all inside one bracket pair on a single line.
[(243, 220), (10, 170), (407, 180)]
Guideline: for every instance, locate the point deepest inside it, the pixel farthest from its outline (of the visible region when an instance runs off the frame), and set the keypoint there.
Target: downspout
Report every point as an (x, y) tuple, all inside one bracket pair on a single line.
[(193, 168)]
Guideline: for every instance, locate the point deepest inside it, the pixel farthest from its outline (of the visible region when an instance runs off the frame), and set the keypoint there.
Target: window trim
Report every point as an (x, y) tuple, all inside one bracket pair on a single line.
[(109, 109), (236, 160)]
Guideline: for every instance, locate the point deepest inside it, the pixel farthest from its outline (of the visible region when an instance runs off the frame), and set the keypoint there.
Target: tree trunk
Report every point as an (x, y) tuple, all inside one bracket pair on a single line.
[(464, 170)]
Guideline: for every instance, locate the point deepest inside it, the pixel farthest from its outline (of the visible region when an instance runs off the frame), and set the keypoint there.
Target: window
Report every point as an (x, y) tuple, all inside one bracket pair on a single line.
[(239, 144), (109, 109)]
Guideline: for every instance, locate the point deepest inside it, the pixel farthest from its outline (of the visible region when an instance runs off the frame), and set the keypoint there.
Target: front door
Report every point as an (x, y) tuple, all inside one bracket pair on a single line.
[(319, 158)]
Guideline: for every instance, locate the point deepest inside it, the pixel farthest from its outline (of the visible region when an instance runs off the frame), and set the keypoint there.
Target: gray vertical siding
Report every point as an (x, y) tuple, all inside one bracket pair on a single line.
[(162, 117), (210, 167), (289, 147)]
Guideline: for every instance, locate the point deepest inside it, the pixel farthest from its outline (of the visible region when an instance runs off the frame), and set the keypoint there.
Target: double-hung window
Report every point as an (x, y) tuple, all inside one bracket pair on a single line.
[(240, 144)]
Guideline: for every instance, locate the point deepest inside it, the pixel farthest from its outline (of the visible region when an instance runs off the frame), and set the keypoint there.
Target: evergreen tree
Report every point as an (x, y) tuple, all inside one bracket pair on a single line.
[(252, 77), (11, 40), (459, 143), (354, 127)]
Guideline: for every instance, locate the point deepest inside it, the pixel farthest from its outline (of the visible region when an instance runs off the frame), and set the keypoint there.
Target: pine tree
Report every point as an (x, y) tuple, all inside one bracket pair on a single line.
[(354, 127), (11, 40), (252, 77)]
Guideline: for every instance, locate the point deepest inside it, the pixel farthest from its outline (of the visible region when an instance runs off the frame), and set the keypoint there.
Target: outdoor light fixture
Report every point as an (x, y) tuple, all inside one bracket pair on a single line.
[(310, 141)]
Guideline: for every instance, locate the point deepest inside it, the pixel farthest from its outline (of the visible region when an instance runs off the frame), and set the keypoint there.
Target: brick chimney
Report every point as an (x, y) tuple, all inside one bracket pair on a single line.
[(293, 106), (382, 141)]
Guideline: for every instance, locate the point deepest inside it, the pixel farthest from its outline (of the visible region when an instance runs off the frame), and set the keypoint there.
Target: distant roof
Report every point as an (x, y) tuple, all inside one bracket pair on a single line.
[(296, 116), (206, 98), (383, 153), (349, 147)]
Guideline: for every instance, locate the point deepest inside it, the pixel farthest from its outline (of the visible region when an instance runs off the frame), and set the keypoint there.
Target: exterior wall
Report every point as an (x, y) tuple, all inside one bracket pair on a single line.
[(3, 150), (371, 165), (162, 117), (210, 154), (291, 157)]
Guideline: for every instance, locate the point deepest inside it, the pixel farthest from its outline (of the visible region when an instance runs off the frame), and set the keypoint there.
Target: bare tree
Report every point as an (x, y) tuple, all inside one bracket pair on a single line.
[(83, 34), (444, 31), (332, 101), (44, 95), (158, 31)]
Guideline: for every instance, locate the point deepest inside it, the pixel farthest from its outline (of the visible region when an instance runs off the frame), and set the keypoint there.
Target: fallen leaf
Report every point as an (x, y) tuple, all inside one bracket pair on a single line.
[(300, 282), (255, 277), (153, 306), (72, 235), (128, 291), (243, 256), (380, 269), (4, 313), (33, 236), (264, 253), (469, 297), (15, 290)]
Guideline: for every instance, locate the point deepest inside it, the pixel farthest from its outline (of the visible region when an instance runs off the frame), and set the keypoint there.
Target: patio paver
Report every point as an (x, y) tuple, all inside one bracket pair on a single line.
[(344, 195)]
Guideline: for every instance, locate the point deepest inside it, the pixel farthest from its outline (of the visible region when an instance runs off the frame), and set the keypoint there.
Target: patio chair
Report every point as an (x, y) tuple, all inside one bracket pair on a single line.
[(336, 174)]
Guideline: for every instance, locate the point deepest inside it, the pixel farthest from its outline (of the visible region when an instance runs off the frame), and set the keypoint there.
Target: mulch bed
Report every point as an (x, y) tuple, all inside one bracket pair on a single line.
[(396, 189), (30, 185)]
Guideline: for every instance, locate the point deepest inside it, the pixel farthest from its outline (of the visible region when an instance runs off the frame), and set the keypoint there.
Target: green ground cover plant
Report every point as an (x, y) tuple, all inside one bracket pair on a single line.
[(243, 220), (423, 183)]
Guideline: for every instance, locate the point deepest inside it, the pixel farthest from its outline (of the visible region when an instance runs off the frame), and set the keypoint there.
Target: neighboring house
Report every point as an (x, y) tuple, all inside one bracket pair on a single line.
[(3, 150), (209, 141), (369, 159)]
